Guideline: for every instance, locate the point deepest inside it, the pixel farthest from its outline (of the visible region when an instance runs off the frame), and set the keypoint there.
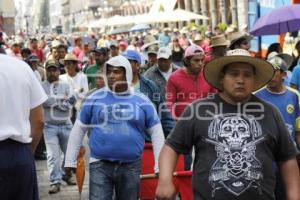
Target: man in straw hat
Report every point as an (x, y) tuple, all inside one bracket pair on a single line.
[(237, 137), (218, 45), (239, 40), (77, 81)]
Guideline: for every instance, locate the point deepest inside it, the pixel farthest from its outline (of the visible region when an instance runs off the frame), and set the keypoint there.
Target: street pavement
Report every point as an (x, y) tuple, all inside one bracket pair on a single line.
[(66, 192)]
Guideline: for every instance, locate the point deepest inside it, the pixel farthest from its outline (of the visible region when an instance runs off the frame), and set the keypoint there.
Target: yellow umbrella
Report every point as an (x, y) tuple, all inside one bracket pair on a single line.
[(80, 170)]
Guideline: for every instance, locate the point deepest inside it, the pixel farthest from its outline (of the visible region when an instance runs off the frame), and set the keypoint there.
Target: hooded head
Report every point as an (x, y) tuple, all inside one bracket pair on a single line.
[(118, 62)]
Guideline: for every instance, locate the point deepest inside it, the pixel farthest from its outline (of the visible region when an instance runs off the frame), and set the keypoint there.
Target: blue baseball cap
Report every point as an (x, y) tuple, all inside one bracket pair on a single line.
[(132, 55)]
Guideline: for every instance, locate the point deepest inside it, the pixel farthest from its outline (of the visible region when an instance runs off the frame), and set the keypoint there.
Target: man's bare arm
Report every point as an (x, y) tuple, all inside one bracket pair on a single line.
[(167, 163), (291, 180), (37, 124)]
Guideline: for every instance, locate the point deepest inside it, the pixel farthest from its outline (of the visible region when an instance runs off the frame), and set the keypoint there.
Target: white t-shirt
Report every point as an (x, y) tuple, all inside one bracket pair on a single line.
[(76, 83), (167, 74), (20, 92), (37, 75)]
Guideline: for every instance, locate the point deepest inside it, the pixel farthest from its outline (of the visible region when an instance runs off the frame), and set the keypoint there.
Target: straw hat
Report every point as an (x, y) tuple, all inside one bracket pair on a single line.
[(264, 70), (56, 44), (238, 35), (198, 37), (219, 40), (70, 57)]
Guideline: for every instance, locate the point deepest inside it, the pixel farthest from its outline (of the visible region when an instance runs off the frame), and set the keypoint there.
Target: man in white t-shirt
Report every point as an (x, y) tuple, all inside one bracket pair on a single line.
[(21, 126), (77, 81)]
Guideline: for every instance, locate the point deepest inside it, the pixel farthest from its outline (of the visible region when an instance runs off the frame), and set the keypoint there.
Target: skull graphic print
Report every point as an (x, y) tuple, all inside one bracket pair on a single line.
[(236, 168)]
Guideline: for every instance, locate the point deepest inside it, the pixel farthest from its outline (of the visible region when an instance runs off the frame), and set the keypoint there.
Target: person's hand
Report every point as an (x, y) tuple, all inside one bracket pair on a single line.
[(165, 191)]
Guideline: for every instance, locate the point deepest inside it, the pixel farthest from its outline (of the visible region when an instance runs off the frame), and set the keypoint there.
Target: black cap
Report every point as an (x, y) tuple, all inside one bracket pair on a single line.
[(101, 50)]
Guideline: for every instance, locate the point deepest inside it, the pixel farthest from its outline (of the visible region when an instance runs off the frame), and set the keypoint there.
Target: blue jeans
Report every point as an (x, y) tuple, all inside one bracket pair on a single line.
[(107, 178), (56, 139)]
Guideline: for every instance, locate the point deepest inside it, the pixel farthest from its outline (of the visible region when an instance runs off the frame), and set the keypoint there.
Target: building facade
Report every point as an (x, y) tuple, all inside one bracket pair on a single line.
[(7, 16)]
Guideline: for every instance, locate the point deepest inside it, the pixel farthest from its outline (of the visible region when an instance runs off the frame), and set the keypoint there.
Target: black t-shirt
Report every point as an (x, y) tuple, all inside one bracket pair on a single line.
[(177, 56), (235, 147)]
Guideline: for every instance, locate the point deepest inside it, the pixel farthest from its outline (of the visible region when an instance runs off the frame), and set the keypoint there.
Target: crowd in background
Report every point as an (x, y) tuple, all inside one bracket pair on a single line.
[(166, 67)]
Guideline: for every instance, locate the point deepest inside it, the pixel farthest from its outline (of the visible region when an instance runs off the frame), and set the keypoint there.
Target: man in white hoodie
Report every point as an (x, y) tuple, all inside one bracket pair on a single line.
[(118, 119)]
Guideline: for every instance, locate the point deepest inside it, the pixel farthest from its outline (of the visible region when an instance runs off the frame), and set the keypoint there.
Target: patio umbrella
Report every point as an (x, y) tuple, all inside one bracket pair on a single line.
[(140, 27), (118, 31), (80, 170), (168, 16), (119, 20), (281, 20)]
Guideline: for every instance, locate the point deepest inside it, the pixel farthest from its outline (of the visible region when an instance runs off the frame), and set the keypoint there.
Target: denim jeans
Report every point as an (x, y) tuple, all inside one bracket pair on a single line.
[(107, 179), (56, 139)]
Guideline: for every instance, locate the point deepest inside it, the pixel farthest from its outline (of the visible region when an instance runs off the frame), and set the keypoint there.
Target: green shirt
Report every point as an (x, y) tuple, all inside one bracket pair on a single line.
[(91, 72)]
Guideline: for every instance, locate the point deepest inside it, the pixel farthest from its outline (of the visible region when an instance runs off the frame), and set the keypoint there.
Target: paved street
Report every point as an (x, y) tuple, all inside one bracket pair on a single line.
[(66, 193)]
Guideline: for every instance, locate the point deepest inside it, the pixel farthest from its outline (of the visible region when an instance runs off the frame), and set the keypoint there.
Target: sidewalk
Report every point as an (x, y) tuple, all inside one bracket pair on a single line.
[(66, 192)]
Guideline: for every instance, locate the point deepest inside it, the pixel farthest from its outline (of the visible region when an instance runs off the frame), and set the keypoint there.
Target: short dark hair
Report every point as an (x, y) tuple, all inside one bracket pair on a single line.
[(33, 40), (237, 43), (187, 61), (297, 46), (25, 51), (121, 67)]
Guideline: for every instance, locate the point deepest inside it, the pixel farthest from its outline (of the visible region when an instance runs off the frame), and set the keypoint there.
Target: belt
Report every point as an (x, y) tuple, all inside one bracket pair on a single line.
[(115, 162)]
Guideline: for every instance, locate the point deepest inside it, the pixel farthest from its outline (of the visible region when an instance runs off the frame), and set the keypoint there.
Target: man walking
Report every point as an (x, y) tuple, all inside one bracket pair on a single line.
[(286, 100), (58, 125), (118, 119), (161, 72), (21, 126), (148, 88), (237, 137), (91, 71)]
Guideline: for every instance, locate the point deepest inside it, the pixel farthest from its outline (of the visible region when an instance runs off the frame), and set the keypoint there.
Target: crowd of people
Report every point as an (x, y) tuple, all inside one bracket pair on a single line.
[(234, 116)]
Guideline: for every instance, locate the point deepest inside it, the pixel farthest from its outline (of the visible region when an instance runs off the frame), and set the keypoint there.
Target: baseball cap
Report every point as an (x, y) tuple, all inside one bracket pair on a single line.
[(101, 50), (288, 59), (114, 44), (278, 63), (33, 58), (164, 52), (132, 55), (51, 63), (193, 50), (123, 43), (152, 49)]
